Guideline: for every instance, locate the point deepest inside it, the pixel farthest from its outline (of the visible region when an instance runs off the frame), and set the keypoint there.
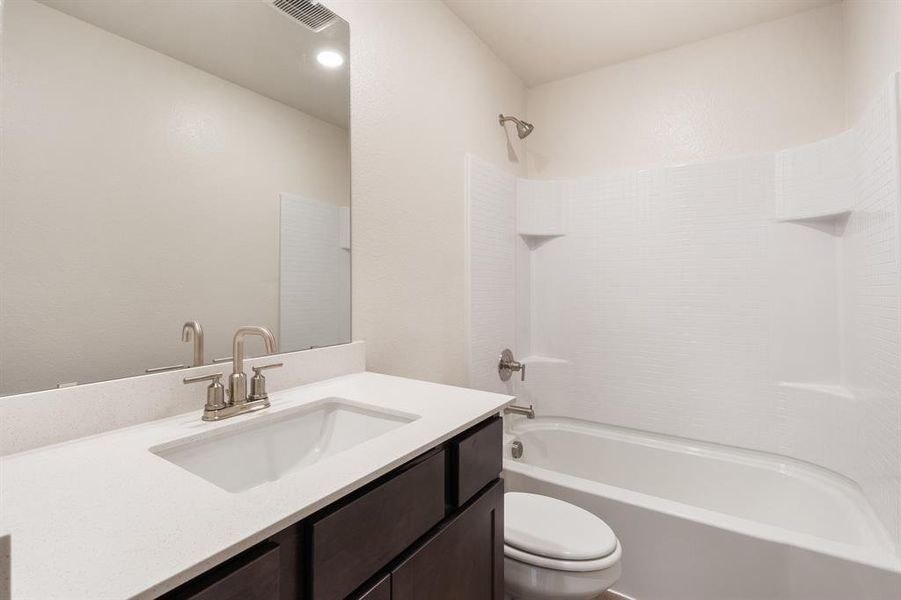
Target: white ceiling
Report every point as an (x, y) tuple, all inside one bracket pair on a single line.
[(544, 40), (246, 42)]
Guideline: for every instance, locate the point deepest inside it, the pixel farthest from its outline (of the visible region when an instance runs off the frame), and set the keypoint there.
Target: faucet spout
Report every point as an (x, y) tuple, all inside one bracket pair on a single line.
[(238, 380), (238, 344)]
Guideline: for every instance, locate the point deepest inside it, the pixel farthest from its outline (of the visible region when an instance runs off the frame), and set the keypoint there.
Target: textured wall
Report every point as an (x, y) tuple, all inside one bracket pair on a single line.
[(425, 91), (872, 48), (128, 180), (762, 88)]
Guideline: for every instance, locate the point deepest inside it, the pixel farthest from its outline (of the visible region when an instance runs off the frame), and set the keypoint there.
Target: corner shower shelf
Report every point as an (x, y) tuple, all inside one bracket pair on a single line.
[(545, 371), (837, 216), (836, 391), (539, 234), (541, 218), (537, 358), (536, 240)]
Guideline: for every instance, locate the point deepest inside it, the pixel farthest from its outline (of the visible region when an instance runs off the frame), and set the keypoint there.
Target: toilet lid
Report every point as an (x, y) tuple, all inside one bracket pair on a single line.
[(552, 528)]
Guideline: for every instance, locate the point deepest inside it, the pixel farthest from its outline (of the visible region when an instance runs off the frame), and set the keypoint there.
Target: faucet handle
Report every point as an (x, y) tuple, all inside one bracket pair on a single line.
[(214, 377), (215, 392), (258, 381), (257, 370), (506, 365)]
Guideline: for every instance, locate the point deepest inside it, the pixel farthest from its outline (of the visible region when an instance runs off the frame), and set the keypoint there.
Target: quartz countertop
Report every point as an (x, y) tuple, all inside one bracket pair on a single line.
[(103, 517)]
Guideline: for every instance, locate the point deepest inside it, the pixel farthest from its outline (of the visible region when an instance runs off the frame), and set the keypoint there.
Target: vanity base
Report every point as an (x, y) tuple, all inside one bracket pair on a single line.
[(432, 528)]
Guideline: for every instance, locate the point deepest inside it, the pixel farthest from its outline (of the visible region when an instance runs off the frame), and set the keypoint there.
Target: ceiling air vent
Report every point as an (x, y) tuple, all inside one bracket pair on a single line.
[(308, 13)]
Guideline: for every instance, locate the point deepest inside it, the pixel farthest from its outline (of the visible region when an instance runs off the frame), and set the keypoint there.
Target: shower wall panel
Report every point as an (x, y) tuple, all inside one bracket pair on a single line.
[(752, 301), (871, 306)]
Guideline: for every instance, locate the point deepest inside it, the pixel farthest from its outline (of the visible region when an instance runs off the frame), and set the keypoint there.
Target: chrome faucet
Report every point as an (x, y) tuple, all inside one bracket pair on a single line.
[(238, 401), (193, 330)]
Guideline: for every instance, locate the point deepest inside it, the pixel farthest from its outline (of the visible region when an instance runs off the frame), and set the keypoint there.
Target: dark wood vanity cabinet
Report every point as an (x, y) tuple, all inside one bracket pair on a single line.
[(431, 529), (464, 558)]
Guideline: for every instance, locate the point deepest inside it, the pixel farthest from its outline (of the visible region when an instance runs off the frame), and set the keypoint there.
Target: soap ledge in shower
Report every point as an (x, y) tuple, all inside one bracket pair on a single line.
[(838, 217), (536, 240), (837, 391), (538, 358)]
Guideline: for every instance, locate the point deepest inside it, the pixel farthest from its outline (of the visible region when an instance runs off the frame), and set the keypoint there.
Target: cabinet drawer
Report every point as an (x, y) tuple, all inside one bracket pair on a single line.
[(351, 544), (252, 575), (477, 459)]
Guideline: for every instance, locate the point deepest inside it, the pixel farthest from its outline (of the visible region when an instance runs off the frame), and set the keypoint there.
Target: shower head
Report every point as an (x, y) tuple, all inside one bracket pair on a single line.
[(523, 129)]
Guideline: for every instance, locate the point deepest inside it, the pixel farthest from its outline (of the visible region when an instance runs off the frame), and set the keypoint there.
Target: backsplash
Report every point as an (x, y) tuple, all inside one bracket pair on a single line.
[(52, 416)]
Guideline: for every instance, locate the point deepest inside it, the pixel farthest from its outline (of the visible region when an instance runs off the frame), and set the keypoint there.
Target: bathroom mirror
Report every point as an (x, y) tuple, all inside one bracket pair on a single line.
[(166, 161)]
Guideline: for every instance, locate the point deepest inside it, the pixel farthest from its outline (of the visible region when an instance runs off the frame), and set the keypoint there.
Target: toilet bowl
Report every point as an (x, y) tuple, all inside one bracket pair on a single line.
[(554, 550)]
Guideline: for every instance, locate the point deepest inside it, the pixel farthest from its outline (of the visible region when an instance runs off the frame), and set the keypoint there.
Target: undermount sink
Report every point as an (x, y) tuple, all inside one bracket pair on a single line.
[(270, 446)]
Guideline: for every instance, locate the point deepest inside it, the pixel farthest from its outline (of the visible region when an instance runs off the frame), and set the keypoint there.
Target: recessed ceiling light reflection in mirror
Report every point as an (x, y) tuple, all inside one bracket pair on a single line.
[(330, 59)]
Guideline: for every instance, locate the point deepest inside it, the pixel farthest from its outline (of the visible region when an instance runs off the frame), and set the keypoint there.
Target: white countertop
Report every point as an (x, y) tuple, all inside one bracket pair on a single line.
[(102, 517)]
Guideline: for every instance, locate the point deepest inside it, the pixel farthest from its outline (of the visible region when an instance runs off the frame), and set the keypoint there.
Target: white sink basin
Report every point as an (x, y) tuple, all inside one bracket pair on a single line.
[(270, 446)]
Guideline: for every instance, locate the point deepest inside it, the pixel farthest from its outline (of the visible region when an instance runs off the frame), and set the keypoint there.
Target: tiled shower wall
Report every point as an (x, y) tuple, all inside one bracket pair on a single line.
[(752, 302), (871, 309)]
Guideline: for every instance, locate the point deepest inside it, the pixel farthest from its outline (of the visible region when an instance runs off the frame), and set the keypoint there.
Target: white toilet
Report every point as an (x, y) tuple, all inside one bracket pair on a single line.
[(554, 550)]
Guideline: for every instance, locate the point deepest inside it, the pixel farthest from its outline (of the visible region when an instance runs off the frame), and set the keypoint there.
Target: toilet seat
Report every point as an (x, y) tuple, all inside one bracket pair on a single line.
[(554, 550), (571, 566), (546, 527)]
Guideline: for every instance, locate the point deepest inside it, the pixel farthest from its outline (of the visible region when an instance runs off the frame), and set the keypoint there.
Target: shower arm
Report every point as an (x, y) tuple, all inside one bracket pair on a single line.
[(502, 119)]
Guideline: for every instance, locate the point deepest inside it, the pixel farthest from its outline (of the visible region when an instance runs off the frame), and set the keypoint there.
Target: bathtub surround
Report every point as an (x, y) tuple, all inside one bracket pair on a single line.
[(752, 301)]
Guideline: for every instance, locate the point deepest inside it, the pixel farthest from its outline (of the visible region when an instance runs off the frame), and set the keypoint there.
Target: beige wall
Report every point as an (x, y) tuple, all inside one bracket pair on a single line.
[(137, 192), (872, 38), (425, 91), (765, 87)]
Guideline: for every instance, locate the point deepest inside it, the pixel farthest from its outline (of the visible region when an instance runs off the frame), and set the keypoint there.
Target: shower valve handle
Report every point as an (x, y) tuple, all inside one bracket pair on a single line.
[(506, 365)]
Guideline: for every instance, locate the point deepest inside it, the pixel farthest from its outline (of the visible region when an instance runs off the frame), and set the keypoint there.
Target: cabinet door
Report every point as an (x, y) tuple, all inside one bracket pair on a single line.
[(463, 559)]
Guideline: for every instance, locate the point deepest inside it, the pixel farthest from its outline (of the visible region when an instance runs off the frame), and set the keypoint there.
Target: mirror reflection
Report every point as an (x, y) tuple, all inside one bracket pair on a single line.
[(166, 162)]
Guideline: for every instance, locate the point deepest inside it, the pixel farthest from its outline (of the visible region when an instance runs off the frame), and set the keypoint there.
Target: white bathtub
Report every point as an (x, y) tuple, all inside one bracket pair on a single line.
[(701, 521)]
